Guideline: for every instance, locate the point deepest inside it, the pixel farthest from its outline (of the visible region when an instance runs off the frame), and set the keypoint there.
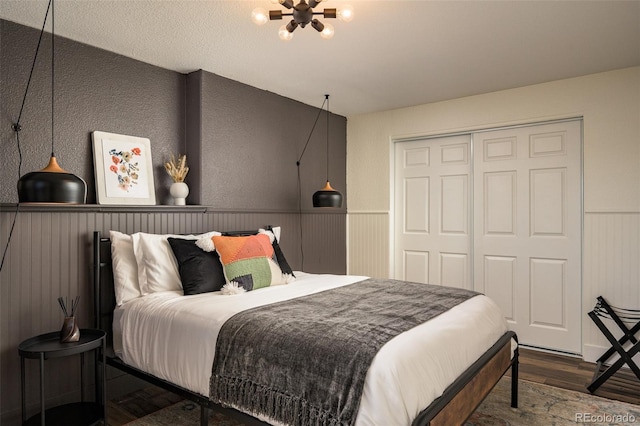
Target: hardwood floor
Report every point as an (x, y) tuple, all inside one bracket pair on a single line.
[(575, 374), (536, 366), (138, 404)]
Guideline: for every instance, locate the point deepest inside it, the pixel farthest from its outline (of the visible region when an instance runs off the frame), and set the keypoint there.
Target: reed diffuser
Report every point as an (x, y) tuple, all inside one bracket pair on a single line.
[(70, 331)]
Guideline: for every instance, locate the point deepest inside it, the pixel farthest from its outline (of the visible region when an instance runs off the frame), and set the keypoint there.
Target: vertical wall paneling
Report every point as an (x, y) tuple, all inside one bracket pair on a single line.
[(369, 244), (611, 269), (50, 256)]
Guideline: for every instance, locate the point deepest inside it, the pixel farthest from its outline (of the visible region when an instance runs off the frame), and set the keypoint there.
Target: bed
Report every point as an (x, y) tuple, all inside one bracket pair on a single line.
[(435, 373)]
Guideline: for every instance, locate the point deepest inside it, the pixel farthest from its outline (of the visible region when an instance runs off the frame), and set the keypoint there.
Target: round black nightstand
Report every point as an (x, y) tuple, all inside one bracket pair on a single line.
[(46, 346)]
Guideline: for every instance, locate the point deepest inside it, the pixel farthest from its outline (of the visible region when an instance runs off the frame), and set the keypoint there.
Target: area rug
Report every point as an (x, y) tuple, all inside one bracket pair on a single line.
[(538, 405)]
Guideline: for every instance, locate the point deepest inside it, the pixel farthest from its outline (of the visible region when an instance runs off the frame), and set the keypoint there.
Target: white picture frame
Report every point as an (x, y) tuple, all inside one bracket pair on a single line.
[(123, 169)]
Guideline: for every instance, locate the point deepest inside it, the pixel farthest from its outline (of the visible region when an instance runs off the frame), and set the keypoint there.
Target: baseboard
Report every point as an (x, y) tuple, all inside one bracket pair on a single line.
[(591, 353), (550, 351)]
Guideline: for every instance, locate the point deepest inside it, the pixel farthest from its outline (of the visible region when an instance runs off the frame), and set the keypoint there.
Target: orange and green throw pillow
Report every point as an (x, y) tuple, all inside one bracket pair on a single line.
[(249, 261)]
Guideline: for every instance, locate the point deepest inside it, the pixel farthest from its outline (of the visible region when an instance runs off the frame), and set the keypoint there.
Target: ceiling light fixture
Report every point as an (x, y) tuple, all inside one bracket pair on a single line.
[(302, 14)]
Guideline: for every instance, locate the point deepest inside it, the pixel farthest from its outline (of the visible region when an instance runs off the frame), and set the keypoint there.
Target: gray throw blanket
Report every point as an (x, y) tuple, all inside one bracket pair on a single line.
[(304, 361)]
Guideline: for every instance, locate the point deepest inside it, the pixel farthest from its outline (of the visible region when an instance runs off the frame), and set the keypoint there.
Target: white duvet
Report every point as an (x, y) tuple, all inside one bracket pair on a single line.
[(173, 337)]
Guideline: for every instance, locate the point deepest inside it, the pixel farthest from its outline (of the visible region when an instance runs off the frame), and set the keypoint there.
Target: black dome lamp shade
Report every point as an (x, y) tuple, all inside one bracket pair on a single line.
[(51, 184), (327, 197)]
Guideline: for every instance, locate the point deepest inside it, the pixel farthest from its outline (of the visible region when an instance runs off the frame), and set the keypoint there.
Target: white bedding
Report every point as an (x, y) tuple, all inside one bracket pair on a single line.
[(173, 337)]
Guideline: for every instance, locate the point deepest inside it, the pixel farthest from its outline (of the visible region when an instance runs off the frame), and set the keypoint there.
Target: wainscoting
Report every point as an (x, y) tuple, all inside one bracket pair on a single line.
[(610, 262), (368, 244), (50, 255), (611, 268)]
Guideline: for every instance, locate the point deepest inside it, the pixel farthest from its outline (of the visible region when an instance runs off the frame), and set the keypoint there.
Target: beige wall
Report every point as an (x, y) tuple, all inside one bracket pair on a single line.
[(610, 106)]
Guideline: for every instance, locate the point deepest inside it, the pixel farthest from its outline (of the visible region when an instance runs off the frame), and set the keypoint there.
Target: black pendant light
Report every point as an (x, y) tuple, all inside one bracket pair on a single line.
[(51, 184), (327, 196)]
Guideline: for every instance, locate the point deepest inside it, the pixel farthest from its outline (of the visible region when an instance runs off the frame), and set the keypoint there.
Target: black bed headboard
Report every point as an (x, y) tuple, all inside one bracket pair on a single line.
[(104, 295)]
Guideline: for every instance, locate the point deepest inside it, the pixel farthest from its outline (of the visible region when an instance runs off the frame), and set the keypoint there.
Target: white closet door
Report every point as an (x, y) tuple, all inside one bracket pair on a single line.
[(527, 230), (432, 206)]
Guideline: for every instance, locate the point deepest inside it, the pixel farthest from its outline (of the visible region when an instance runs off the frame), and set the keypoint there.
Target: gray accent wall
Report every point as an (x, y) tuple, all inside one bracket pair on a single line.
[(249, 140), (242, 145), (95, 90)]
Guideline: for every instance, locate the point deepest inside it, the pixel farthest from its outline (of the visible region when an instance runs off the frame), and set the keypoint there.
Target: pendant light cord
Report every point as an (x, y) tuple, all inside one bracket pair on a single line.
[(17, 127), (53, 86), (326, 100), (300, 219)]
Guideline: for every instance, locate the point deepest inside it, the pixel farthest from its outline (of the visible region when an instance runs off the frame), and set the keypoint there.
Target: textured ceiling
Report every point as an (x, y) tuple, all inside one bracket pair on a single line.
[(393, 54)]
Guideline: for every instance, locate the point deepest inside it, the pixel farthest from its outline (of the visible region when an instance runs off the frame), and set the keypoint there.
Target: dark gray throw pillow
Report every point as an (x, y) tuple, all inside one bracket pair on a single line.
[(200, 271)]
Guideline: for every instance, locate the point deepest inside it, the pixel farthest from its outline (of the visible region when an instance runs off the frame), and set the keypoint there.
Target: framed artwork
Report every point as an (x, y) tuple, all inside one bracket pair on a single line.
[(123, 169)]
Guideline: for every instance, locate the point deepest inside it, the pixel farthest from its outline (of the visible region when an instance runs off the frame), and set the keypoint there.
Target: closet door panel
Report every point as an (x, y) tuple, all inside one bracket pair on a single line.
[(527, 208)]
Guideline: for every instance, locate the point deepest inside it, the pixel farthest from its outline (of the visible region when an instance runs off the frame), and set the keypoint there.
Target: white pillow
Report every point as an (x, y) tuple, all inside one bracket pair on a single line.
[(157, 266), (125, 268), (273, 233)]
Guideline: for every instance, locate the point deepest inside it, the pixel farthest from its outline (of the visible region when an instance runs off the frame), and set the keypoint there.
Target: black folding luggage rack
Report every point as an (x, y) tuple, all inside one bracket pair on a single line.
[(621, 317)]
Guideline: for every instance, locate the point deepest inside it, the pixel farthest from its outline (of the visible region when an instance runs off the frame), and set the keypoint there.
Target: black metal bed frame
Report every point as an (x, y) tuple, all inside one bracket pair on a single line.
[(104, 304)]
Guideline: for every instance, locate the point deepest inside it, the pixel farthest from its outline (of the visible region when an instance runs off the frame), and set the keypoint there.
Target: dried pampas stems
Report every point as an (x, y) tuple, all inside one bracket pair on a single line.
[(177, 169)]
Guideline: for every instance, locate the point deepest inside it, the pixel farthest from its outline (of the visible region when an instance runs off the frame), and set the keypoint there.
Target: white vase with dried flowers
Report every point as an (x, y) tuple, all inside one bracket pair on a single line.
[(178, 171)]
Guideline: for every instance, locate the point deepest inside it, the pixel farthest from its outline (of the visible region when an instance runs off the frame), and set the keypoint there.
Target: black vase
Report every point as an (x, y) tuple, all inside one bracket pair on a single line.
[(70, 331)]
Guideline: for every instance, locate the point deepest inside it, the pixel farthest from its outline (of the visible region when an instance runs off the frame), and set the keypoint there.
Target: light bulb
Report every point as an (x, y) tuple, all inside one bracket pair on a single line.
[(327, 32), (345, 13), (285, 3), (259, 16), (284, 34)]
